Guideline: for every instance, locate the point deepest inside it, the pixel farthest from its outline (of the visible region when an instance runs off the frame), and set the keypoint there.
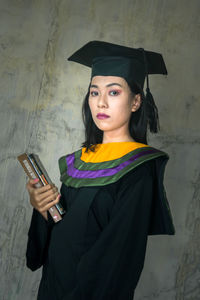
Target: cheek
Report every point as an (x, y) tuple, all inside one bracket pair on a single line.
[(91, 105), (120, 110)]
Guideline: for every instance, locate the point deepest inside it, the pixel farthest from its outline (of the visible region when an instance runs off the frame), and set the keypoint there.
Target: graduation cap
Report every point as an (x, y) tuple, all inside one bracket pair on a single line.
[(132, 64)]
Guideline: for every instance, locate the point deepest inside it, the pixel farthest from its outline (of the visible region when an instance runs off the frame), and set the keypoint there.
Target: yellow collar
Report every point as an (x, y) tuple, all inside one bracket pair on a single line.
[(109, 151)]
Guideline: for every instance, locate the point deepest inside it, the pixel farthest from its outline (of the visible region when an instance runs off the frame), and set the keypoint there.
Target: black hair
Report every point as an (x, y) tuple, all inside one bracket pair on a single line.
[(147, 114)]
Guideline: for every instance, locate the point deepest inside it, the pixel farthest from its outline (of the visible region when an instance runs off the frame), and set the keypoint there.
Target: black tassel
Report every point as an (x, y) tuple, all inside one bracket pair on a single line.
[(151, 108), (152, 112)]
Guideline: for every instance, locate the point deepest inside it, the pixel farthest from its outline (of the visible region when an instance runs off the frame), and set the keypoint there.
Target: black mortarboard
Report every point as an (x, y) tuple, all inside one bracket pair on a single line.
[(114, 60), (132, 64)]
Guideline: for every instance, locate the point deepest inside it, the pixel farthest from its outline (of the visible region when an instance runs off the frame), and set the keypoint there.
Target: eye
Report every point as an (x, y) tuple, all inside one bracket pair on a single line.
[(94, 93), (114, 92)]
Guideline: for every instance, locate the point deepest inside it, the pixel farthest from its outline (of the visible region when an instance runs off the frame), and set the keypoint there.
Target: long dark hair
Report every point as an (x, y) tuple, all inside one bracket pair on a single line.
[(146, 115)]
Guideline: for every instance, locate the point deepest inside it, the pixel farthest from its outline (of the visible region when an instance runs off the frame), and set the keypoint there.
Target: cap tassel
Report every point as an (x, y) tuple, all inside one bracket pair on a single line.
[(152, 112), (151, 108)]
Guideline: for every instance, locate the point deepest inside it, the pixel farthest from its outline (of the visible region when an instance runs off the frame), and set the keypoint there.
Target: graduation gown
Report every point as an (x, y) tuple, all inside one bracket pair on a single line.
[(114, 198)]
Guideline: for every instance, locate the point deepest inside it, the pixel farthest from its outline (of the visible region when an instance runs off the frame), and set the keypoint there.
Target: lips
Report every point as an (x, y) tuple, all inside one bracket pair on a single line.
[(102, 116)]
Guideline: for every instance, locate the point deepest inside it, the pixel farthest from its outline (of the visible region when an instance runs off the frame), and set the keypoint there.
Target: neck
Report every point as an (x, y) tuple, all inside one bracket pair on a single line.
[(117, 139)]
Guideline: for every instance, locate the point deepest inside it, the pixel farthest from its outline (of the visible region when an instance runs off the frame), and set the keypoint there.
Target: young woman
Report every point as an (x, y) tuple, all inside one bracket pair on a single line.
[(112, 187)]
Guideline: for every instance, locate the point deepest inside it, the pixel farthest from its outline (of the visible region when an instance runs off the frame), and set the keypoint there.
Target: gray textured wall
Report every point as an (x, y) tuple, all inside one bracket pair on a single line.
[(41, 95)]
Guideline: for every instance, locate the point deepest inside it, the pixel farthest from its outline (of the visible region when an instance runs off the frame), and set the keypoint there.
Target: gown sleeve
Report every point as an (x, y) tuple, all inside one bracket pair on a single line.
[(111, 268), (38, 237)]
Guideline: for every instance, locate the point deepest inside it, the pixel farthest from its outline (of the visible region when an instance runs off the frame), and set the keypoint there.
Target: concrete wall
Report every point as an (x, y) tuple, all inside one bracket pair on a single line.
[(41, 95)]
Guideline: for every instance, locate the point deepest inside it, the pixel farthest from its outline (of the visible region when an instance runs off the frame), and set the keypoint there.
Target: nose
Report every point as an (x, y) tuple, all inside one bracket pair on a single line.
[(102, 101)]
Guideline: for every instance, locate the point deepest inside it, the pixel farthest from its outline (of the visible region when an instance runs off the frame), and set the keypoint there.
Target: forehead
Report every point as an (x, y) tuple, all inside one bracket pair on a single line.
[(104, 80)]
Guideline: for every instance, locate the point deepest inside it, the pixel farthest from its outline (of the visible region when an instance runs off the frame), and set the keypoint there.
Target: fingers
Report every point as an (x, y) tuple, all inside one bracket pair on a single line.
[(44, 197), (31, 185), (47, 196), (47, 205), (49, 191)]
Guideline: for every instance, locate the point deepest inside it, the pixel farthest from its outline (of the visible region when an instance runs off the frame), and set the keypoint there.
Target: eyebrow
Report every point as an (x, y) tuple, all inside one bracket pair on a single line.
[(108, 85)]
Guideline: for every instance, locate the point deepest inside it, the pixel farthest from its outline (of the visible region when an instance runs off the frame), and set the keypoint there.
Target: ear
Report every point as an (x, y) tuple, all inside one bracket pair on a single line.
[(137, 100)]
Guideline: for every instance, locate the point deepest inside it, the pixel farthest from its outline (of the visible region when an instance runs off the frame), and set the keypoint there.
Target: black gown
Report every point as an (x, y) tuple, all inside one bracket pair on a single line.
[(97, 251)]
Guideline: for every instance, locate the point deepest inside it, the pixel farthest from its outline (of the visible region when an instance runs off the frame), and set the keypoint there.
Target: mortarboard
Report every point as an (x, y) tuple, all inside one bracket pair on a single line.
[(115, 60), (132, 64)]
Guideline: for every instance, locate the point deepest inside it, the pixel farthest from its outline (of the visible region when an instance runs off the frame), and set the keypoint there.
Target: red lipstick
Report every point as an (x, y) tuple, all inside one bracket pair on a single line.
[(102, 116)]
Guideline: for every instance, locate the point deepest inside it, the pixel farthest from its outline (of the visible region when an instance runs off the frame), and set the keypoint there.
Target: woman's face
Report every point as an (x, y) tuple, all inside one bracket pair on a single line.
[(112, 96)]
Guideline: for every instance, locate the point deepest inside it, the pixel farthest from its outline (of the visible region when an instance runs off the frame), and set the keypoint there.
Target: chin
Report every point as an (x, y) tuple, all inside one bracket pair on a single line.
[(104, 127)]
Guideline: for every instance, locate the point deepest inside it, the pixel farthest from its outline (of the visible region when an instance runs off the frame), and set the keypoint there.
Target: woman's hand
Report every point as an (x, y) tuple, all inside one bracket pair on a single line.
[(42, 198)]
